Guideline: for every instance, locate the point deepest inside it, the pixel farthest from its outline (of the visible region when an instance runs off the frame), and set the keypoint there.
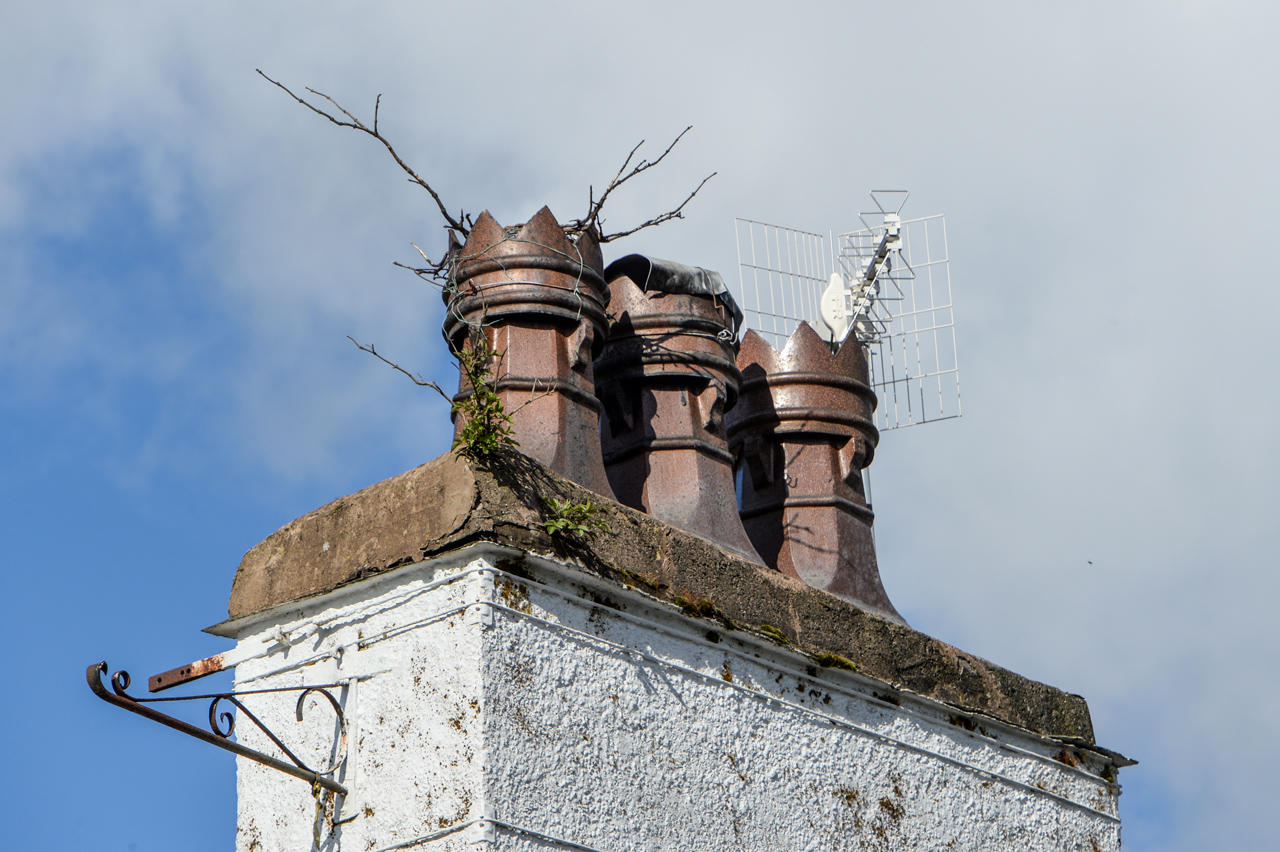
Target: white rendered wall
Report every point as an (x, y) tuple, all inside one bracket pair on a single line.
[(488, 711)]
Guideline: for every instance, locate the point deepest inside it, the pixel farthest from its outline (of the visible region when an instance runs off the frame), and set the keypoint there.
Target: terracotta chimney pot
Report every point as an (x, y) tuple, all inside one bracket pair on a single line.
[(666, 377), (538, 297), (803, 434)]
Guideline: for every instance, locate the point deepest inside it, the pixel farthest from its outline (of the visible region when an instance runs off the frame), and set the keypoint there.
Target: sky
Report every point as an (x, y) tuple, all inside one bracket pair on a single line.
[(183, 252)]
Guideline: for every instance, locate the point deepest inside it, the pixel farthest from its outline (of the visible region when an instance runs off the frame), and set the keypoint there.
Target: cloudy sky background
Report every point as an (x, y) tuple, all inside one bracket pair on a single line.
[(183, 252)]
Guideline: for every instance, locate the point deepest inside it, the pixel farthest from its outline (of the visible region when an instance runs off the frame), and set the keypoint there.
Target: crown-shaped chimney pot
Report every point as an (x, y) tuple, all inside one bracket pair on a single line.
[(803, 433), (538, 299), (666, 376)]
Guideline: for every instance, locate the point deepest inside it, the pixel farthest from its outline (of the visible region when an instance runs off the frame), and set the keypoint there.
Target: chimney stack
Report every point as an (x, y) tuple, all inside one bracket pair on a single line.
[(803, 434), (538, 297), (666, 376), (501, 682)]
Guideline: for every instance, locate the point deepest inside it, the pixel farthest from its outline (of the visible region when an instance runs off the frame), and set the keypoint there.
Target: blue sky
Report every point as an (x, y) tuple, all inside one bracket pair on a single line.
[(183, 252)]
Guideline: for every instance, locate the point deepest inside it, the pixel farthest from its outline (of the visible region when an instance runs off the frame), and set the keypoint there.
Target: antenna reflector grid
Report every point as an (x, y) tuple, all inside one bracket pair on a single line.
[(781, 275), (910, 332)]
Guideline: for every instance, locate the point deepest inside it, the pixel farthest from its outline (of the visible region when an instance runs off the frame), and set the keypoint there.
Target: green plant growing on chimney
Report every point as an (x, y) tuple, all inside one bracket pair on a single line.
[(575, 520), (486, 424)]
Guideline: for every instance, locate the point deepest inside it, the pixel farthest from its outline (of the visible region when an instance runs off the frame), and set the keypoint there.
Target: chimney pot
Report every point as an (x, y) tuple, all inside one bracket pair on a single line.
[(802, 433), (666, 377), (538, 297)]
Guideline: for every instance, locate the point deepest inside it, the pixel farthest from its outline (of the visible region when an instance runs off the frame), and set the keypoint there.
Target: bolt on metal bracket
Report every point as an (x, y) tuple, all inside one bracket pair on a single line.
[(222, 725)]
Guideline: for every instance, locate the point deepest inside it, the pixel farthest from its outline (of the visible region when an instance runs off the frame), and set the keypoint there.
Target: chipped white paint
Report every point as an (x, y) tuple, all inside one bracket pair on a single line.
[(558, 711)]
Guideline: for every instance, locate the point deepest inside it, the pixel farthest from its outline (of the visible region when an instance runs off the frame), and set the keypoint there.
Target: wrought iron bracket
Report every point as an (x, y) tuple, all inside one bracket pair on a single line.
[(222, 725)]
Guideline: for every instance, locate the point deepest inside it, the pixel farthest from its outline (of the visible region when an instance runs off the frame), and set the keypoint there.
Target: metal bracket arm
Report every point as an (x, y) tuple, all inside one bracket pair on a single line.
[(222, 726)]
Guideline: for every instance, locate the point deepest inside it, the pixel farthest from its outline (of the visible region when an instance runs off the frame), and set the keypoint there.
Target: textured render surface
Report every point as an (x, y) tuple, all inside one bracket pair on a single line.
[(444, 504), (407, 661), (512, 702)]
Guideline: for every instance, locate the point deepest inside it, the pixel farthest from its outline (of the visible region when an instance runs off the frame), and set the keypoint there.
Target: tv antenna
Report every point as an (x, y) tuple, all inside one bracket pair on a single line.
[(887, 284)]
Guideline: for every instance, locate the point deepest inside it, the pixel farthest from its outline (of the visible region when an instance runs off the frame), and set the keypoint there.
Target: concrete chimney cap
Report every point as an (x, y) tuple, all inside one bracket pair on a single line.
[(667, 276)]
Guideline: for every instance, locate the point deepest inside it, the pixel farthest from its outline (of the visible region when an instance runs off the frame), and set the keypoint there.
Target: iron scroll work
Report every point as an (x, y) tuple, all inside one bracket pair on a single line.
[(222, 724)]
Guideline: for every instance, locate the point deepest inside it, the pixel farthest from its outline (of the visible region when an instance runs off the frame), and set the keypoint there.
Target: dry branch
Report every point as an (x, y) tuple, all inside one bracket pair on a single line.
[(436, 271), (416, 378), (461, 224), (677, 213), (595, 206)]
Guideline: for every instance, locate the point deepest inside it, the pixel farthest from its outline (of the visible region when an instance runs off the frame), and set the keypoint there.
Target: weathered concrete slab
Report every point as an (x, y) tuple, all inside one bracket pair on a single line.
[(446, 504), (377, 528)]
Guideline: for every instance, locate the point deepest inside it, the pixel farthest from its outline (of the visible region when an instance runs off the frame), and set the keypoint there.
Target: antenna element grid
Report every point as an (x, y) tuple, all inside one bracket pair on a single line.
[(888, 284)]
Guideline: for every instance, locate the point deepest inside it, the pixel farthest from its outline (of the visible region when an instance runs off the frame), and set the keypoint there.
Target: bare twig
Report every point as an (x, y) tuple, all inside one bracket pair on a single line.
[(593, 210), (595, 206), (461, 224), (438, 272), (677, 213), (414, 377), (534, 396), (429, 261), (433, 275), (435, 272)]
